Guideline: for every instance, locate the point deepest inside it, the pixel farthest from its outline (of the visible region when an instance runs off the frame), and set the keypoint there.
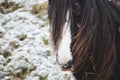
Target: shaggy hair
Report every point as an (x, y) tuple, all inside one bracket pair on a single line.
[(95, 36)]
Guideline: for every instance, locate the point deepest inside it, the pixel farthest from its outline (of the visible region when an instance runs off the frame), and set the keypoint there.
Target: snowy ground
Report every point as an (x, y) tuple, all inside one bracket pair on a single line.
[(24, 44)]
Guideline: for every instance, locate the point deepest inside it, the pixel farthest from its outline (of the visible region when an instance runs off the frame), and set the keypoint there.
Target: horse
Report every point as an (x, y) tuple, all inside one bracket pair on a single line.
[(85, 36)]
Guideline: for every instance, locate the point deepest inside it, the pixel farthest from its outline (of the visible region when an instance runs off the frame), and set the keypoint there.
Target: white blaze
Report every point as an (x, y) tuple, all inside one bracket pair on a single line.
[(64, 53)]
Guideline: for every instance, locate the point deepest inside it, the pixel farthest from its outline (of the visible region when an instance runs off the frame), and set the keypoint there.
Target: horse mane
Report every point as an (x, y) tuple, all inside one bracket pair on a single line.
[(94, 42)]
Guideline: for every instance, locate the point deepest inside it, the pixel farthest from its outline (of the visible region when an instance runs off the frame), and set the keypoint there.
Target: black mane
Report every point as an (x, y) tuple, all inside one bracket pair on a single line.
[(95, 35)]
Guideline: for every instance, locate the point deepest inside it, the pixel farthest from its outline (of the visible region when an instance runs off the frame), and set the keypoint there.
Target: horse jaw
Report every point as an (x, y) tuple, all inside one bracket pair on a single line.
[(64, 51)]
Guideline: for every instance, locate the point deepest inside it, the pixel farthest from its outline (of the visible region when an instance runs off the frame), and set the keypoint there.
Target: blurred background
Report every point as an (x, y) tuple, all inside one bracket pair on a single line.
[(24, 42)]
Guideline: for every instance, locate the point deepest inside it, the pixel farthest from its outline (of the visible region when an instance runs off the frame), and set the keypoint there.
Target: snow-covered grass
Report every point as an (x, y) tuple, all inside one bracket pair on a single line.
[(24, 44)]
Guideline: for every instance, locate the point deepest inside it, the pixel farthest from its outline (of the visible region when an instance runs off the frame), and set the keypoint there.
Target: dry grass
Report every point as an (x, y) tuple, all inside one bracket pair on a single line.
[(7, 7)]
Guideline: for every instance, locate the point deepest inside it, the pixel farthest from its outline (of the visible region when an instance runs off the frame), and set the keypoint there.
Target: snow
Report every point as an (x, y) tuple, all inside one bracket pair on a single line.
[(25, 52)]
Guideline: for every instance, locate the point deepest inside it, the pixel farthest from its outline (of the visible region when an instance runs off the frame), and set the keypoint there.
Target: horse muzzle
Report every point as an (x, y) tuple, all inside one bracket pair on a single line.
[(68, 67)]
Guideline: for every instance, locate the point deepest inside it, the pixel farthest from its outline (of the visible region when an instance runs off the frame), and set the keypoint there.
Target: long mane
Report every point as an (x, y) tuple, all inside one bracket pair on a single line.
[(95, 40)]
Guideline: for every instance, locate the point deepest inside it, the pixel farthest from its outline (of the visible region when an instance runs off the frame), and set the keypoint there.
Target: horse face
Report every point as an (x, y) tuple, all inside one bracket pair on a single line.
[(64, 54)]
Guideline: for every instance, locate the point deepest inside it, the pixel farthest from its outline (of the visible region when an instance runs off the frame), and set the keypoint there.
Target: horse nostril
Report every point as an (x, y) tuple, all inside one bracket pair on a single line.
[(68, 65)]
